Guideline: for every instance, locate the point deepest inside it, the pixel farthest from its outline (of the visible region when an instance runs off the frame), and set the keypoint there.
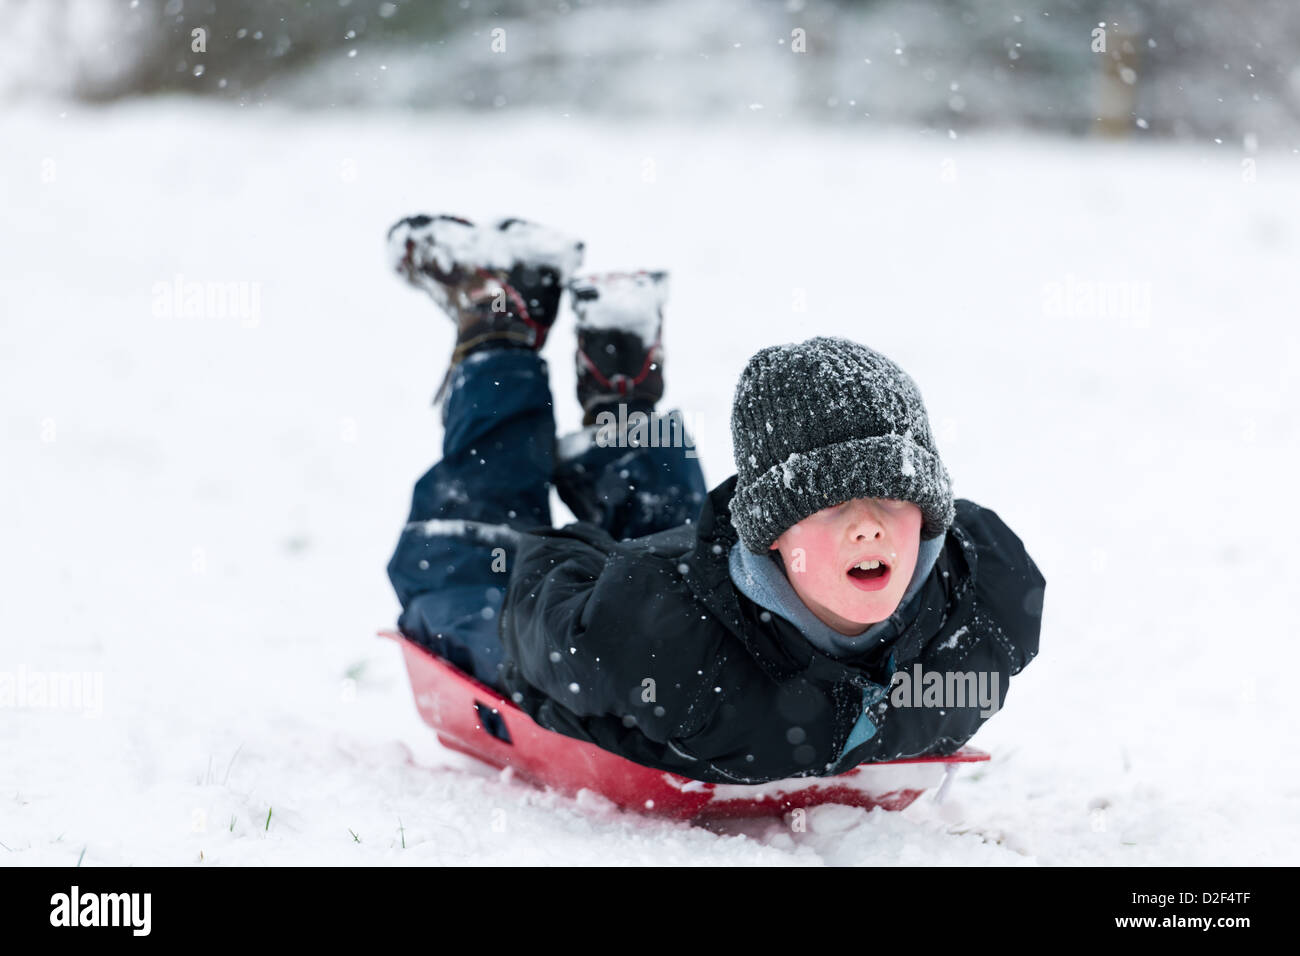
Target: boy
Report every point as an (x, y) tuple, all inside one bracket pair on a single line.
[(769, 628)]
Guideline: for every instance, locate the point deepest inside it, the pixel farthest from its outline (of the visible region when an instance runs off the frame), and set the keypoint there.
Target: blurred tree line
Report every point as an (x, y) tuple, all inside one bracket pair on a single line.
[(1165, 67)]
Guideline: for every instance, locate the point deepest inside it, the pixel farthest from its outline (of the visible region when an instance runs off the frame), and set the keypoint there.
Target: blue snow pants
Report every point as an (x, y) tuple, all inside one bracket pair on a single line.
[(500, 458)]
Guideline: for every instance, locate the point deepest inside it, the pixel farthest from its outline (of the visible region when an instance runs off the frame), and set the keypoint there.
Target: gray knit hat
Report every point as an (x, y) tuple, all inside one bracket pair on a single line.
[(825, 421)]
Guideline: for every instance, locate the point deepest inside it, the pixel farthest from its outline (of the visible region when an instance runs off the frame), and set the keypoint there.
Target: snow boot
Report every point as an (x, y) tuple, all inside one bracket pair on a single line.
[(500, 284), (620, 354)]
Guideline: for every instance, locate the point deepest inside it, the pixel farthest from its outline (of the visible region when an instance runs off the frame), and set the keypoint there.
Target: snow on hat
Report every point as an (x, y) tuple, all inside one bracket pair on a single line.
[(826, 421)]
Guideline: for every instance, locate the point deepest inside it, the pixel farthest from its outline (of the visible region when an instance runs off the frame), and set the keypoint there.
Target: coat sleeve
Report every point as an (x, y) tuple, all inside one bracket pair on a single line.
[(791, 732), (980, 651), (906, 729), (603, 634)]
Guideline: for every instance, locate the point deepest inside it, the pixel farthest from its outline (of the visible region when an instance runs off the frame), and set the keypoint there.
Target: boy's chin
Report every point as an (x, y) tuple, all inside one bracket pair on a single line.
[(866, 613), (852, 628)]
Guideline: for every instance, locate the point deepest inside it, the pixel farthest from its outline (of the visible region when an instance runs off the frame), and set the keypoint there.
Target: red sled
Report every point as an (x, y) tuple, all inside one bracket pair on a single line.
[(474, 719)]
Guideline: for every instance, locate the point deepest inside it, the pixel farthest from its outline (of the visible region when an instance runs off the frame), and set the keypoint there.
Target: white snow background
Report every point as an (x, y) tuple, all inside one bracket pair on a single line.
[(200, 509)]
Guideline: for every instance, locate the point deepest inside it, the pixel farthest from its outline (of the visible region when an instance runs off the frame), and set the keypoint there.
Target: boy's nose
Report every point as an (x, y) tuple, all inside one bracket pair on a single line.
[(863, 523)]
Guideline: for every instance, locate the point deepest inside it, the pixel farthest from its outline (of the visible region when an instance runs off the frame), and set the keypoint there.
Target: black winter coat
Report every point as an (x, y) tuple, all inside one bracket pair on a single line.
[(646, 648)]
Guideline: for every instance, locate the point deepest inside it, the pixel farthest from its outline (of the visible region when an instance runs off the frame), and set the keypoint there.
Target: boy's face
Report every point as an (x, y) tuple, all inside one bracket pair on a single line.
[(822, 553)]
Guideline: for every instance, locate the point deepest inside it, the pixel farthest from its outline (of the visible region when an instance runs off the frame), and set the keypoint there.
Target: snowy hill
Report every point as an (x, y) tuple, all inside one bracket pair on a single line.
[(199, 507)]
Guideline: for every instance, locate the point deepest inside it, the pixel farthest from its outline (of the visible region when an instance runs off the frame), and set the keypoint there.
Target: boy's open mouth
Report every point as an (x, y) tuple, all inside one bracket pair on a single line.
[(871, 574)]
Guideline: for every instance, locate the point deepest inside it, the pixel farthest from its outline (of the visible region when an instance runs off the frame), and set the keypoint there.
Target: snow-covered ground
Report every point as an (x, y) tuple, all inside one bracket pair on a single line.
[(197, 509)]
